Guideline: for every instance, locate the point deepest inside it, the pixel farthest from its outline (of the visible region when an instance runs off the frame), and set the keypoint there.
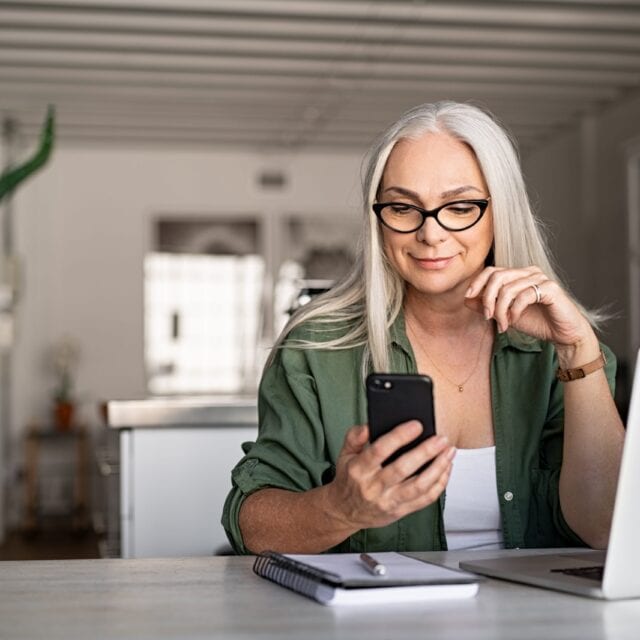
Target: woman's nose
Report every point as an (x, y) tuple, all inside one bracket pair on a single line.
[(431, 232)]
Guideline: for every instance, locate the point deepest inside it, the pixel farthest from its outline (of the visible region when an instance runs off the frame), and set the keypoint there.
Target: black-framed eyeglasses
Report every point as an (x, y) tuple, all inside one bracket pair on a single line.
[(452, 216)]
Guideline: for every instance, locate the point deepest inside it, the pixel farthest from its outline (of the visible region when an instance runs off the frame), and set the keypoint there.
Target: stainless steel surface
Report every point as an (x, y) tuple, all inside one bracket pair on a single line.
[(171, 412), (293, 74)]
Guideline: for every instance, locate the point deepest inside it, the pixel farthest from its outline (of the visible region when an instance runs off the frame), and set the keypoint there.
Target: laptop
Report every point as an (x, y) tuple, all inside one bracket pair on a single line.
[(611, 574)]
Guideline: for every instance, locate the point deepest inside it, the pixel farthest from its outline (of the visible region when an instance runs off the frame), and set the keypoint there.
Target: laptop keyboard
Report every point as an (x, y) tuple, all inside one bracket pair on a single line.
[(592, 573)]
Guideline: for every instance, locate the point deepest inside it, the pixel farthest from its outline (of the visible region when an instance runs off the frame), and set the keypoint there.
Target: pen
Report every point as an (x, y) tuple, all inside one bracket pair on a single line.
[(373, 565)]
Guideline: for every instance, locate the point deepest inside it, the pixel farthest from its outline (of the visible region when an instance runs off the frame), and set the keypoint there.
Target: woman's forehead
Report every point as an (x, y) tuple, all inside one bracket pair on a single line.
[(433, 161)]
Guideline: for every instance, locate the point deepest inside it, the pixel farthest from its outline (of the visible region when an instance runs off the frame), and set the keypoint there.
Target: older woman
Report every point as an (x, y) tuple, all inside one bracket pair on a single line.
[(453, 281)]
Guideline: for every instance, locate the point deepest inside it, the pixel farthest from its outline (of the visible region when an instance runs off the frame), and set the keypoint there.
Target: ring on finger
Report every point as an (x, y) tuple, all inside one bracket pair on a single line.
[(536, 288)]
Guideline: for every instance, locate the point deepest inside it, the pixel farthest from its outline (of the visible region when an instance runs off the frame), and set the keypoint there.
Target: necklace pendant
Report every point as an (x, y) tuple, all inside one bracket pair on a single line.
[(460, 388)]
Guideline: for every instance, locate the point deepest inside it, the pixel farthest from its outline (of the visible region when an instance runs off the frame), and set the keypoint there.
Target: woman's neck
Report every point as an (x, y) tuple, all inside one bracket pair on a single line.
[(440, 315)]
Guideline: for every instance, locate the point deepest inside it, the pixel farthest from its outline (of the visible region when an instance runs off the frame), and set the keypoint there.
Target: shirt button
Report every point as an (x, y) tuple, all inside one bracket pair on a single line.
[(508, 496)]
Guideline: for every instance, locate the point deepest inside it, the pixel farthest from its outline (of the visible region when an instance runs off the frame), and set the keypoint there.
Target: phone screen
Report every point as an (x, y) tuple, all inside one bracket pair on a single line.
[(394, 398)]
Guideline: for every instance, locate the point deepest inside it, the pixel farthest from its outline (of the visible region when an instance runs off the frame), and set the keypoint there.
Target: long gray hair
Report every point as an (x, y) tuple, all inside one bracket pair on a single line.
[(369, 299)]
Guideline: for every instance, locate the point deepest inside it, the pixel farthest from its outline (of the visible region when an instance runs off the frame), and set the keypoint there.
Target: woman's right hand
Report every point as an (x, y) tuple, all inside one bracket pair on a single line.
[(365, 494)]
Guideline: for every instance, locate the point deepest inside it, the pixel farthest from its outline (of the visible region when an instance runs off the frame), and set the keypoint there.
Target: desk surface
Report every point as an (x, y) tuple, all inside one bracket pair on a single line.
[(220, 597)]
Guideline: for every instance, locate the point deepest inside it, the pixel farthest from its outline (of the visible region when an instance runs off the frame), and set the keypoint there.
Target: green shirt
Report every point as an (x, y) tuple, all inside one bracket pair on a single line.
[(309, 398)]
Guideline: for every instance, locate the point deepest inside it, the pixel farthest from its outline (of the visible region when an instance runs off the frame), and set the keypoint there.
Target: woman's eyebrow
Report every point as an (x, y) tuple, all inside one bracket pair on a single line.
[(451, 193), (403, 192)]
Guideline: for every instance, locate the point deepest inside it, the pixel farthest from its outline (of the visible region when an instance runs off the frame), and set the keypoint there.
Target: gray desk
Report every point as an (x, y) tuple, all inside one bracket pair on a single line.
[(219, 597)]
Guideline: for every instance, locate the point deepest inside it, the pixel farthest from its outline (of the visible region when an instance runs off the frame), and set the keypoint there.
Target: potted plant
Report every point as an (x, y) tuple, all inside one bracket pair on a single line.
[(64, 356)]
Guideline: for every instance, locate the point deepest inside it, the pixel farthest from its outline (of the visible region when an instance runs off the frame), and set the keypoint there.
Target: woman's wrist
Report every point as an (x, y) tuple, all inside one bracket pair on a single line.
[(578, 353), (333, 514)]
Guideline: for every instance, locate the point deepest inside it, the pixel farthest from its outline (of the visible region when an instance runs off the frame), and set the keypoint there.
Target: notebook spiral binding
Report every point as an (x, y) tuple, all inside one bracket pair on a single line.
[(293, 575)]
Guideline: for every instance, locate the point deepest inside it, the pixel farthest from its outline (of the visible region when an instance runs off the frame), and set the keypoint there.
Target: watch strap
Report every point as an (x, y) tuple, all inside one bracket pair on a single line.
[(567, 375)]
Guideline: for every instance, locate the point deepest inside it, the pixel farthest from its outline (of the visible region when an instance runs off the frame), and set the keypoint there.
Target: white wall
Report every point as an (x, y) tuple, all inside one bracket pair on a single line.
[(84, 225)]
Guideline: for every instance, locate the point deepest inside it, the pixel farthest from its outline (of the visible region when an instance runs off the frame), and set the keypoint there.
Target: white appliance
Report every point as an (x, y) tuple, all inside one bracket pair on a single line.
[(176, 458)]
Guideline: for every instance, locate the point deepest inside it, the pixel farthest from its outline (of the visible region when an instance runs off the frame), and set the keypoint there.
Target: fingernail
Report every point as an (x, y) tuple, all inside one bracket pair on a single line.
[(487, 313), (468, 292), (451, 453)]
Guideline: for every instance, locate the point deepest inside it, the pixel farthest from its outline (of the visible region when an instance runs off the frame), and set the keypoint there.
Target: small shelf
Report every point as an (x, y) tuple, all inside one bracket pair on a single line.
[(37, 438)]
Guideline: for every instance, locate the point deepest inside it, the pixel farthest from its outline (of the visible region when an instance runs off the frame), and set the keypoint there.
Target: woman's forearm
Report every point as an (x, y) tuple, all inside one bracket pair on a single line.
[(593, 439), (291, 522)]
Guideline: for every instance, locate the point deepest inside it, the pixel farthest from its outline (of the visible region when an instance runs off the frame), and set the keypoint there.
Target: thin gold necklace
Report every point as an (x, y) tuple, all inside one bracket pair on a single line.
[(459, 385)]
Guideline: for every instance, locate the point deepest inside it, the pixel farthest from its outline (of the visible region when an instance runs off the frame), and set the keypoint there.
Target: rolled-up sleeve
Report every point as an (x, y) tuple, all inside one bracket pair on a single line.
[(290, 451)]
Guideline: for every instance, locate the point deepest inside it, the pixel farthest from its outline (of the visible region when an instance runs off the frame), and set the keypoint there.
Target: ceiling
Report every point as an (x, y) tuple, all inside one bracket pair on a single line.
[(306, 74)]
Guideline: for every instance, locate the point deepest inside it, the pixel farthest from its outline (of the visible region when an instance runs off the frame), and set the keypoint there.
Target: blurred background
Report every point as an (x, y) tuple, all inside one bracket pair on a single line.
[(204, 179)]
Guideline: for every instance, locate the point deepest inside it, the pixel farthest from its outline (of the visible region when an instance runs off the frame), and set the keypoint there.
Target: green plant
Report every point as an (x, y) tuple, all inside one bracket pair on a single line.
[(63, 358), (13, 176)]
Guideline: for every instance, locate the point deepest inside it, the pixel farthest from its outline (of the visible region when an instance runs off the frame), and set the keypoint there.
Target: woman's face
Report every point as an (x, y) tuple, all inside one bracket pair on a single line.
[(429, 172)]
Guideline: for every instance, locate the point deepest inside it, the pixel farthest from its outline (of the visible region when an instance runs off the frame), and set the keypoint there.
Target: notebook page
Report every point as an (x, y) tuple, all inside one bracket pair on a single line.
[(400, 568)]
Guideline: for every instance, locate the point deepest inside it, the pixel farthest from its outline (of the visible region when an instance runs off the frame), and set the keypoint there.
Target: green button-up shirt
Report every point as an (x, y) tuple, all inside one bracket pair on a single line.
[(309, 398)]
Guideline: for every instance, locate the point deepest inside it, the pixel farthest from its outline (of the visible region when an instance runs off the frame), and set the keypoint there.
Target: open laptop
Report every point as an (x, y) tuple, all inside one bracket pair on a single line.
[(610, 575)]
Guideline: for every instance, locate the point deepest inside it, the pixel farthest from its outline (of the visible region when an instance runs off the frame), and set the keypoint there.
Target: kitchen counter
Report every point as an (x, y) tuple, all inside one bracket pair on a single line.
[(175, 462), (192, 411)]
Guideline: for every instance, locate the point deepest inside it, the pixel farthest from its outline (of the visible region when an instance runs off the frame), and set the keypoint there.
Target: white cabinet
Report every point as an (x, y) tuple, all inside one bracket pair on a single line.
[(175, 477)]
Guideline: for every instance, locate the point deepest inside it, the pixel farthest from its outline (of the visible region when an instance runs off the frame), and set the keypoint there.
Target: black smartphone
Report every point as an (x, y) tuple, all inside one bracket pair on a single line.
[(394, 398)]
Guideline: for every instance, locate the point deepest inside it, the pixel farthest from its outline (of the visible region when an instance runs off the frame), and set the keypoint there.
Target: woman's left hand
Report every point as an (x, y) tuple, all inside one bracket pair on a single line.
[(527, 300)]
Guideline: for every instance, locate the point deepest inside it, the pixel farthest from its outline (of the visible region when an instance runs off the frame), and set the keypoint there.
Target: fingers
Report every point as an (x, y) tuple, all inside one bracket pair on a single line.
[(389, 443), (513, 298), (506, 293), (425, 488), (479, 282), (529, 296), (370, 495), (361, 463), (356, 439), (408, 463)]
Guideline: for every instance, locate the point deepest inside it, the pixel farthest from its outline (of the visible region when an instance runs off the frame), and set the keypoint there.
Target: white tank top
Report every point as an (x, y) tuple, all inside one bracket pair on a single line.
[(471, 507)]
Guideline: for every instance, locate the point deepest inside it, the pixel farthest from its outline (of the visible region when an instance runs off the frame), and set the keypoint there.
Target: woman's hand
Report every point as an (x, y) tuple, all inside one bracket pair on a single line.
[(365, 494), (527, 300)]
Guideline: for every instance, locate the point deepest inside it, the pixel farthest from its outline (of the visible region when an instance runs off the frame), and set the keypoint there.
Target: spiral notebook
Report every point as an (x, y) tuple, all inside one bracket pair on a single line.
[(341, 578)]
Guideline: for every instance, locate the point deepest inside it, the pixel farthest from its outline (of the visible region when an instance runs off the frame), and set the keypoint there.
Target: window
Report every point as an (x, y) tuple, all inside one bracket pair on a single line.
[(203, 310), (216, 296)]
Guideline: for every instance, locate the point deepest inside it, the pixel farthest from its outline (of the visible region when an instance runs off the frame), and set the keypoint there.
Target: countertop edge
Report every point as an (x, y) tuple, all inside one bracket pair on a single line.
[(182, 412)]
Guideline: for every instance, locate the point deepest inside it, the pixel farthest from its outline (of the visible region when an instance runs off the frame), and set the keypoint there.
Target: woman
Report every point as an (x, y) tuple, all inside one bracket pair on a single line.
[(453, 281)]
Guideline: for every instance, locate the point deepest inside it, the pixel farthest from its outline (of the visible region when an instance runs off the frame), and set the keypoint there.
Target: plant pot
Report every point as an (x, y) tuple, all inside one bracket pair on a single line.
[(63, 415)]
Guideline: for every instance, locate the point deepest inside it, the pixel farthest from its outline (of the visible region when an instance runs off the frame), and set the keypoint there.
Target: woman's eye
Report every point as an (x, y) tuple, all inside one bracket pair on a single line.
[(401, 208), (462, 210)]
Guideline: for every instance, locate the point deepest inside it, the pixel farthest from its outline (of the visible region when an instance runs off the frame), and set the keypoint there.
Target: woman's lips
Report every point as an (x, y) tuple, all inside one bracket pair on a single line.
[(433, 264)]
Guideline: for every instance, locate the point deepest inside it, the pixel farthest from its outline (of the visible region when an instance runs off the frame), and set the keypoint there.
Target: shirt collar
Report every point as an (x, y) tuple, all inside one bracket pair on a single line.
[(398, 333), (511, 338), (516, 340)]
